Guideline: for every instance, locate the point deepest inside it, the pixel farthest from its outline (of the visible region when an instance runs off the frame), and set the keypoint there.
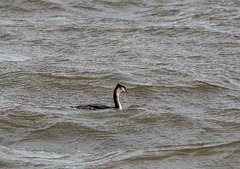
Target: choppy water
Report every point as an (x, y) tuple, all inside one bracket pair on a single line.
[(180, 58)]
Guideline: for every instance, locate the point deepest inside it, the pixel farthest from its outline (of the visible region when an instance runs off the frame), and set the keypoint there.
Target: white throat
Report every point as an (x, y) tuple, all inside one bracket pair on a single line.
[(120, 106)]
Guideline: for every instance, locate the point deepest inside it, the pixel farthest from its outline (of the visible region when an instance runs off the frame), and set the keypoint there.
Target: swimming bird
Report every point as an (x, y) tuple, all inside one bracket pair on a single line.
[(118, 89)]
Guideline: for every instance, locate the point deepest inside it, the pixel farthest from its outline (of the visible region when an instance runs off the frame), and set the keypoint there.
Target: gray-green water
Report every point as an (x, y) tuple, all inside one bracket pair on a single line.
[(180, 58)]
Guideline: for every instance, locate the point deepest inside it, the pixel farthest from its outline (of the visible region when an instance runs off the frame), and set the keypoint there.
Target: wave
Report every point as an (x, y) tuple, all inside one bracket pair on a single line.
[(11, 158), (197, 85), (30, 6), (171, 155), (84, 129)]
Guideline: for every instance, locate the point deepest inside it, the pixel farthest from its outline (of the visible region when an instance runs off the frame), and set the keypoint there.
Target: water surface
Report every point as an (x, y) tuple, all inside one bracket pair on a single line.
[(180, 58)]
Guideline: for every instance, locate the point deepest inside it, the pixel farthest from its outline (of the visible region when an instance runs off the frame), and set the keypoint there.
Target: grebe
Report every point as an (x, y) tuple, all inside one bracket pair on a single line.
[(118, 89)]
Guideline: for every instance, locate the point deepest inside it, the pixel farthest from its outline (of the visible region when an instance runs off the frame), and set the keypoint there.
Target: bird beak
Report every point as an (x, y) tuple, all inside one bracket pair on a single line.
[(128, 91)]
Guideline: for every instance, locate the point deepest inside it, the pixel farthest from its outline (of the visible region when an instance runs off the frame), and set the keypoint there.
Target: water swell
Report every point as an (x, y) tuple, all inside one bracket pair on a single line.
[(180, 60), (189, 150), (117, 157)]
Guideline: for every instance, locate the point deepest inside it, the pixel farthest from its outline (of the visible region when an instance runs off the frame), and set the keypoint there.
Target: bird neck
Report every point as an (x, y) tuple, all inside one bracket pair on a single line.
[(116, 99)]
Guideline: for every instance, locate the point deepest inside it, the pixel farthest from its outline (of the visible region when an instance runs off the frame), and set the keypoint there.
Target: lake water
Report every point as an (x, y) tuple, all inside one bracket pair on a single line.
[(179, 58)]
